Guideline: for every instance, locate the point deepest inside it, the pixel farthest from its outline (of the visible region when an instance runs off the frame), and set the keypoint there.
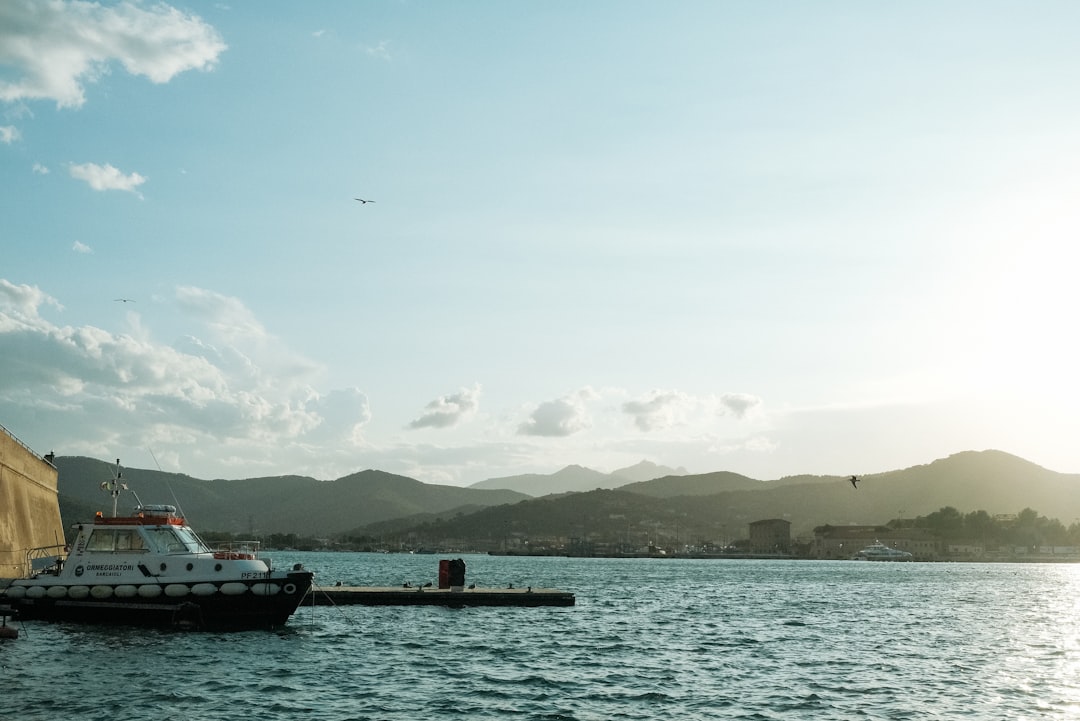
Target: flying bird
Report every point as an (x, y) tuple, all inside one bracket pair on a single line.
[(123, 300), (365, 202), (854, 480)]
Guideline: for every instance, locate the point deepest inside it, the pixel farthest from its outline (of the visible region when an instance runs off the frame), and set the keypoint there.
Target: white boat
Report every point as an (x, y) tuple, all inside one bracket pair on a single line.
[(878, 551), (151, 568)]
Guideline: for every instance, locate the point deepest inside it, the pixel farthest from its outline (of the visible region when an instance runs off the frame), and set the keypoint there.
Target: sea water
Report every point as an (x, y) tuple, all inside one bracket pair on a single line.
[(648, 639)]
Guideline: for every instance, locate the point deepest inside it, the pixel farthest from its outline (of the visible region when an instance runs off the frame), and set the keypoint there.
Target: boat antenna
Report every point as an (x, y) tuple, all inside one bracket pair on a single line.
[(115, 486), (167, 484)]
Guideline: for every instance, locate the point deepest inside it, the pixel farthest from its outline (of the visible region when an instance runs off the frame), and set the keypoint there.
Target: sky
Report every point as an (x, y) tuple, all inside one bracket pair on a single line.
[(762, 237)]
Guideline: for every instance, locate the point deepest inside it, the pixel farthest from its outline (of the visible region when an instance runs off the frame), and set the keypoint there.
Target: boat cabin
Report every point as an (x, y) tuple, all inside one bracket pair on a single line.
[(151, 529)]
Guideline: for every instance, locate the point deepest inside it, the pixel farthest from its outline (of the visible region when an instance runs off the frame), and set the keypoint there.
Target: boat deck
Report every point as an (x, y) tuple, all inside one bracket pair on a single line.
[(398, 596)]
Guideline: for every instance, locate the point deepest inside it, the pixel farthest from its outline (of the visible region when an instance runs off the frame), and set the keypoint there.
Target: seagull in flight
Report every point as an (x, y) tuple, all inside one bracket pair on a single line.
[(365, 202), (854, 480), (124, 300)]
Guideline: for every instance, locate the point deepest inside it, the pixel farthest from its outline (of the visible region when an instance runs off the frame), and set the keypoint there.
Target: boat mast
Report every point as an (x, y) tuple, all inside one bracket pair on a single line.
[(115, 486)]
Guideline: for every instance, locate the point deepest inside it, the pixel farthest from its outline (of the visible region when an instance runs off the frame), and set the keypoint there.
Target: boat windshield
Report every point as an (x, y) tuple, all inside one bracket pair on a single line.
[(176, 539), (191, 541)]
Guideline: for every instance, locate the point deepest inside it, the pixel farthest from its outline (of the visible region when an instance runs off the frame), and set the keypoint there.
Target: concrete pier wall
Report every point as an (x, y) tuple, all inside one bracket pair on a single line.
[(29, 505)]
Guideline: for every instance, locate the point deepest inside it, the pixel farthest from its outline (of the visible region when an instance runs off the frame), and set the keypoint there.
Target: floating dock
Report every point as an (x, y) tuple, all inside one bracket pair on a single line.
[(451, 597)]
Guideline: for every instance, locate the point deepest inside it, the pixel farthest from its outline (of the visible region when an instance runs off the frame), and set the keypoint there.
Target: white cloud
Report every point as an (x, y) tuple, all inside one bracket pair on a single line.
[(91, 391), (56, 48), (18, 111), (664, 409), (80, 247), (231, 400), (40, 169), (381, 51), (230, 319), (106, 177), (659, 409), (9, 134), (449, 410), (19, 304), (739, 404), (560, 417), (342, 415), (236, 340)]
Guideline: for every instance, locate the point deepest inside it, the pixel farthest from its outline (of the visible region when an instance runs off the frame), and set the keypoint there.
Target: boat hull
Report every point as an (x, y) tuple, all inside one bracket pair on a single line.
[(196, 608)]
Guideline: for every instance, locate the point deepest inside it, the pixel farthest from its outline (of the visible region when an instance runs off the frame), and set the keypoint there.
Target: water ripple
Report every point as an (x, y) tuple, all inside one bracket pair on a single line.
[(753, 640)]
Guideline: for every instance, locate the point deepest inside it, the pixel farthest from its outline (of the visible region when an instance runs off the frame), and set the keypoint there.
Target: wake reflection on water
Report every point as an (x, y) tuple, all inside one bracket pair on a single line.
[(649, 638)]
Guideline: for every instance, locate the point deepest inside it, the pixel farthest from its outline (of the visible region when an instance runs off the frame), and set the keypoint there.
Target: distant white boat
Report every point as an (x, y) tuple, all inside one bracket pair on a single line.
[(878, 551)]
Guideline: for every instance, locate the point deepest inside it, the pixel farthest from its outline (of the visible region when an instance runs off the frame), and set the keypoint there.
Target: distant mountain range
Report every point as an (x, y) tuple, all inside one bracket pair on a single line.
[(718, 507), (575, 479), (571, 499), (277, 504)]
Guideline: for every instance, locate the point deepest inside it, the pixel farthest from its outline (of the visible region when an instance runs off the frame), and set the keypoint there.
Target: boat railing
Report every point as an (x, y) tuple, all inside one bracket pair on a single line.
[(237, 550), (45, 559)]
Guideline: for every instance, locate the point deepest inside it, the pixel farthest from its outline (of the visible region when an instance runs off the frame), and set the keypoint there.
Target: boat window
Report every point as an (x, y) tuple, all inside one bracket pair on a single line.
[(101, 539), (129, 540), (115, 539)]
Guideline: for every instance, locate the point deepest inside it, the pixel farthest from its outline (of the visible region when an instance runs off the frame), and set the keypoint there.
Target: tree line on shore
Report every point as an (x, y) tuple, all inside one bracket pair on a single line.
[(1025, 529)]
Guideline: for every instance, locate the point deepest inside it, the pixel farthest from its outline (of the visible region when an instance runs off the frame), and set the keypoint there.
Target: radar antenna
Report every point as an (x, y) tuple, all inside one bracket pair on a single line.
[(115, 486)]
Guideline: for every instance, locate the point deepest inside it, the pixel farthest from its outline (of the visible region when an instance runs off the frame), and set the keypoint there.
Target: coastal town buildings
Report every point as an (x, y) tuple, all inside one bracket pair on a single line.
[(772, 535)]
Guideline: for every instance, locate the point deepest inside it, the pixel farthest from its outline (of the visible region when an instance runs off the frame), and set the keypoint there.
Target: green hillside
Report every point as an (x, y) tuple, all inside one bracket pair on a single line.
[(713, 506), (720, 506), (279, 504)]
